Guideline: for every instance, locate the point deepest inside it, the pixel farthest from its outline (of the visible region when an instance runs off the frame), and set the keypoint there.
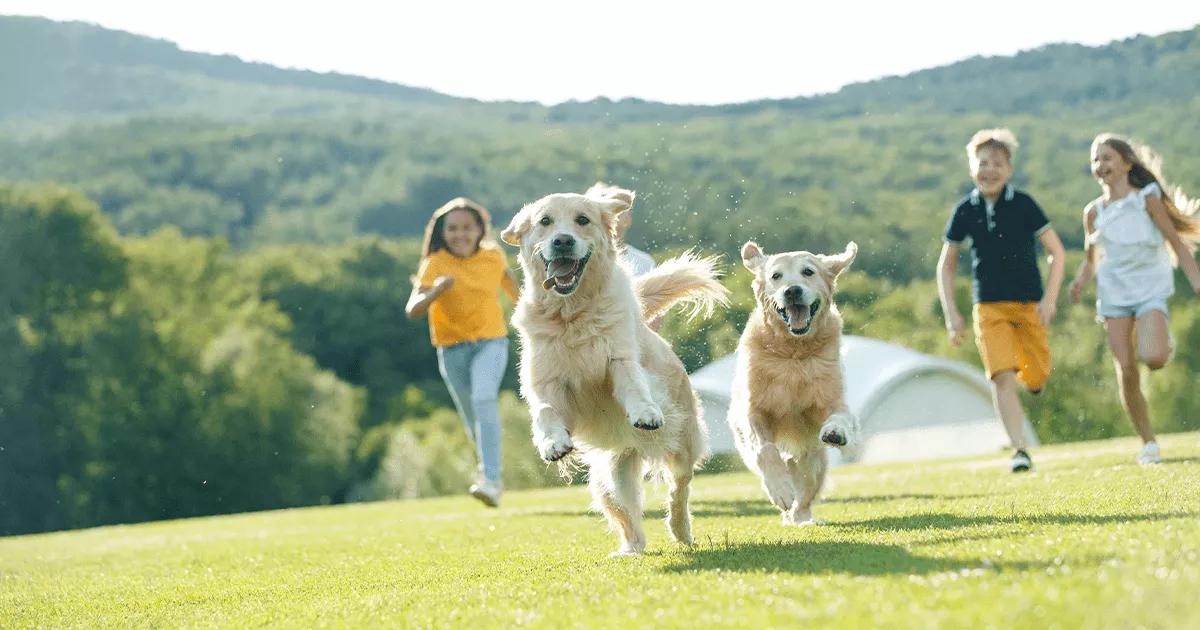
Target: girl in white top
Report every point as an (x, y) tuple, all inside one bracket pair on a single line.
[(1131, 225)]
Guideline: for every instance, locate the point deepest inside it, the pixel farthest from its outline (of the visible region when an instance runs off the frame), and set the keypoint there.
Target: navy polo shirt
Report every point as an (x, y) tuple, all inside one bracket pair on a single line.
[(1003, 244)]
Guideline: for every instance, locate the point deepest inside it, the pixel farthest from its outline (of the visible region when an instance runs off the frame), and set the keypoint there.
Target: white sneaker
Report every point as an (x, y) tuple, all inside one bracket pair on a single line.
[(1021, 461), (487, 491), (1149, 454)]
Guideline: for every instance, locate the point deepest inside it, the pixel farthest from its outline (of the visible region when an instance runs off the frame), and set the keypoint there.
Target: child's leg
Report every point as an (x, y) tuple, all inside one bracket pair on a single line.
[(487, 369), (1153, 338), (1008, 406), (1033, 349), (1120, 341), (454, 364), (996, 336)]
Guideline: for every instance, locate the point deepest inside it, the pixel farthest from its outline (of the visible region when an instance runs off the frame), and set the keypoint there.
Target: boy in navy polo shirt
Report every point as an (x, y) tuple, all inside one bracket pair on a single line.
[(1011, 312)]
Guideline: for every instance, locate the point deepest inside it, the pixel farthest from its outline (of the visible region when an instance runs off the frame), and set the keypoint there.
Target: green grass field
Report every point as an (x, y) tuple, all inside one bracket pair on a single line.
[(1088, 540)]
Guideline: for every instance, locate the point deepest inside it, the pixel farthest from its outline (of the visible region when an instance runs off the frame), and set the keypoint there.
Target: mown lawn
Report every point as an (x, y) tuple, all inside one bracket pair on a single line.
[(1088, 540)]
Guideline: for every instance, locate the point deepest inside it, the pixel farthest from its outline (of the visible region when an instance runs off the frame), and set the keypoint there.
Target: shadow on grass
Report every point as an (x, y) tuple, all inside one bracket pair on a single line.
[(901, 497), (704, 508), (864, 559), (954, 521), (1181, 460)]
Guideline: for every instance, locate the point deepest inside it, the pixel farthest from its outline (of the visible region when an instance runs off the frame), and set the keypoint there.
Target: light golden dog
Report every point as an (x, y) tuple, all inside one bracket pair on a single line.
[(596, 378), (787, 400)]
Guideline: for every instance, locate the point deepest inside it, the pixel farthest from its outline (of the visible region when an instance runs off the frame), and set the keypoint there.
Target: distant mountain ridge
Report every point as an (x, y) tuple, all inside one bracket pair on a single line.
[(79, 67), (70, 68)]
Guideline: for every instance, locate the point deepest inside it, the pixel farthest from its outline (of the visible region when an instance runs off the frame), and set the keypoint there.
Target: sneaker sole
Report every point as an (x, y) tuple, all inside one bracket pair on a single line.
[(485, 499)]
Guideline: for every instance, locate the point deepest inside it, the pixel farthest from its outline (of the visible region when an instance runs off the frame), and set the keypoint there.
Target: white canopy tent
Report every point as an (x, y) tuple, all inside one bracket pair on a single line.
[(911, 405)]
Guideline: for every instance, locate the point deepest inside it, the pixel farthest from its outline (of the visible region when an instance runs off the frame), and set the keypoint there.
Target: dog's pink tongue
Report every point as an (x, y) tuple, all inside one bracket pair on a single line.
[(562, 267), (798, 316)]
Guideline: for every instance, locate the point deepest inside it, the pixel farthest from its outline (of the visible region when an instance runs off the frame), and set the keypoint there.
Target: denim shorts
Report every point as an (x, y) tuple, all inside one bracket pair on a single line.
[(1105, 311)]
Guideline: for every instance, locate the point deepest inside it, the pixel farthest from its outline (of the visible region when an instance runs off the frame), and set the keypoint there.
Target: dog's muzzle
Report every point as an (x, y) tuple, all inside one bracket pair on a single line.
[(563, 272), (796, 314)]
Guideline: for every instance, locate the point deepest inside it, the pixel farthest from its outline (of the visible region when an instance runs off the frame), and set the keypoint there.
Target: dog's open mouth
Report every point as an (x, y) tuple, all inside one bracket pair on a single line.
[(798, 317), (563, 273)]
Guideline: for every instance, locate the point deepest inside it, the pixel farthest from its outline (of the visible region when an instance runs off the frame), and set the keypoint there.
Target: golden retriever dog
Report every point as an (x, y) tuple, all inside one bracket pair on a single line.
[(787, 400), (596, 378)]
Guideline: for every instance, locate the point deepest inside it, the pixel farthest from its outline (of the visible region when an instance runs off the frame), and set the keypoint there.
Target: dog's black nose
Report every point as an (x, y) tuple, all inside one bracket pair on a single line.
[(563, 242), (793, 293)]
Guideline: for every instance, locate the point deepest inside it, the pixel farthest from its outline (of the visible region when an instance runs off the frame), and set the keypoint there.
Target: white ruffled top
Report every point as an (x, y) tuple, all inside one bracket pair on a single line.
[(1134, 266)]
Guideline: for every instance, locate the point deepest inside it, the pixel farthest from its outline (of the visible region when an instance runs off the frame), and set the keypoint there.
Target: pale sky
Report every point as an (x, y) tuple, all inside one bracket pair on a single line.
[(676, 52)]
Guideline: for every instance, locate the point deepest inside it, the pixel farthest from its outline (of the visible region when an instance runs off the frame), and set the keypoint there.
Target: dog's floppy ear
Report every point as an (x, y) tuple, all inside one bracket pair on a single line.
[(614, 205), (517, 227), (601, 190), (752, 256), (611, 211), (838, 263)]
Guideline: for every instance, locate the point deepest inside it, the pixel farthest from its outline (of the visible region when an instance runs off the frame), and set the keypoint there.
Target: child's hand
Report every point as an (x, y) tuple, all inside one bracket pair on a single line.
[(956, 326), (1046, 310), (1076, 289), (442, 283)]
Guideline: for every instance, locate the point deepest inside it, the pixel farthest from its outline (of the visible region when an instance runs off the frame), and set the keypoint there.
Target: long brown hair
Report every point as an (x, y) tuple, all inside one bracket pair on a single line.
[(435, 238), (1147, 169)]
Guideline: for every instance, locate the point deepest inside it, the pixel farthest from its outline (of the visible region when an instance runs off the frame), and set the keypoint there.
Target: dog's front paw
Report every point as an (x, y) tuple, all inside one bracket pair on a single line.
[(838, 430), (647, 416), (552, 448), (781, 492), (800, 521)]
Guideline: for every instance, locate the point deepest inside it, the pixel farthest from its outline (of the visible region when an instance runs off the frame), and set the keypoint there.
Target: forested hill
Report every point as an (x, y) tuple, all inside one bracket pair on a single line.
[(77, 68), (158, 136), (72, 67)]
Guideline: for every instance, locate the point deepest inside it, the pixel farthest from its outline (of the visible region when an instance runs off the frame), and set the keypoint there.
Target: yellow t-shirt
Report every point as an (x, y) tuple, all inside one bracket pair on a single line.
[(470, 309)]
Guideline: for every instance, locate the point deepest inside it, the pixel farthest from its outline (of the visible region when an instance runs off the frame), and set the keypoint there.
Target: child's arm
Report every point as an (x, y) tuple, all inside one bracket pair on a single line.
[(1055, 257), (947, 267), (510, 284), (1087, 268), (421, 297), (1187, 262)]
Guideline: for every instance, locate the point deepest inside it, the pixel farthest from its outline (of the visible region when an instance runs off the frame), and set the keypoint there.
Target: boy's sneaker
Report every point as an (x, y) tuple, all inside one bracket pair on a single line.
[(1149, 454), (487, 492), (1021, 461)]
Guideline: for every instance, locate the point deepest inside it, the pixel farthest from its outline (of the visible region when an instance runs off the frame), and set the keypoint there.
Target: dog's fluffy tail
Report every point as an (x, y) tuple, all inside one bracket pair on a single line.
[(687, 278)]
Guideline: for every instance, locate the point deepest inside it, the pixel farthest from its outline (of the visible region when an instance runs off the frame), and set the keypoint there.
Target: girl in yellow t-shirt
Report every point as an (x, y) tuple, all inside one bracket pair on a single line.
[(460, 273)]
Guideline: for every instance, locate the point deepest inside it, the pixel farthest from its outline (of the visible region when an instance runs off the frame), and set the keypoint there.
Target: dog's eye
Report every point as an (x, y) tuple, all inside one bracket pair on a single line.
[(582, 220), (776, 275), (545, 221), (808, 271)]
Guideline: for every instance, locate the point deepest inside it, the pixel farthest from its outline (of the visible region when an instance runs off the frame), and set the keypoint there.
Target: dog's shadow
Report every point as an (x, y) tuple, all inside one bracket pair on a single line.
[(706, 508), (761, 507), (826, 557), (868, 559)]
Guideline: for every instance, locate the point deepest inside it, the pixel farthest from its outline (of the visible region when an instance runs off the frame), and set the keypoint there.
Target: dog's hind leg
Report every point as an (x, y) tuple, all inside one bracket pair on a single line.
[(680, 467), (617, 490), (807, 470)]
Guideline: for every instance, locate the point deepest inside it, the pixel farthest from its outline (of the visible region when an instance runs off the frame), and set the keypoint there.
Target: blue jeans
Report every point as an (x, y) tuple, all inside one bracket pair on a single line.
[(472, 371)]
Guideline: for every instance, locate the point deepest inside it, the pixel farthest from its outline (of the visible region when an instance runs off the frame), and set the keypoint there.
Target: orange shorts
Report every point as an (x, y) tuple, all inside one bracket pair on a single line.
[(1010, 336)]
